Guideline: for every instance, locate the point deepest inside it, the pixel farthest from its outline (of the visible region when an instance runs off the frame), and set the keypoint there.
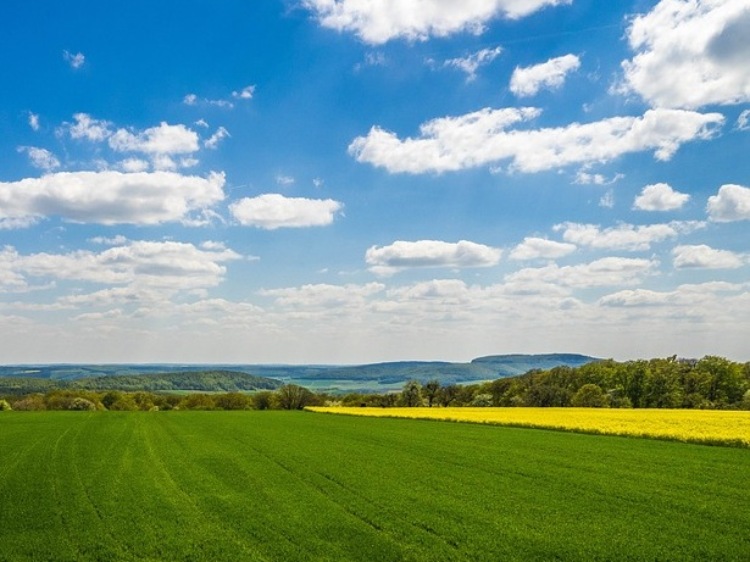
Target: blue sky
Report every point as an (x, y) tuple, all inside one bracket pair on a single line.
[(341, 181)]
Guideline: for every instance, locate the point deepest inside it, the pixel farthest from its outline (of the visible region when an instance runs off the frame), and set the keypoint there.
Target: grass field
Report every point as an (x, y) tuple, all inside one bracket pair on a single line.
[(713, 427), (302, 486)]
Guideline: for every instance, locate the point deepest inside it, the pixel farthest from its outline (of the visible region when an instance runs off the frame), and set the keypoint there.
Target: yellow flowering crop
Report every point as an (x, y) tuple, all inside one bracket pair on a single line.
[(697, 426)]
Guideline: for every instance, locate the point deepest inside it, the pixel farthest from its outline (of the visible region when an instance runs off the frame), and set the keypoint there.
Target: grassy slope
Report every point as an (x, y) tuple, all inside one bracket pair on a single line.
[(295, 486)]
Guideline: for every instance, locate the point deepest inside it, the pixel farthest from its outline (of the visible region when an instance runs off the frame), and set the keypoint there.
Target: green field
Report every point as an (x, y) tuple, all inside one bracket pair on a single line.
[(302, 486)]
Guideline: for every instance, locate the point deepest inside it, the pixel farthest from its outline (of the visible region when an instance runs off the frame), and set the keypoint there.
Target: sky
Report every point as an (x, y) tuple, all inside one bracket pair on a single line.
[(354, 181)]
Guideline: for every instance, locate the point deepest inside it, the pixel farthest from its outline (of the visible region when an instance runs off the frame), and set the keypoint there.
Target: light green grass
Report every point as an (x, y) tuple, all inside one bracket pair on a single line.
[(301, 486)]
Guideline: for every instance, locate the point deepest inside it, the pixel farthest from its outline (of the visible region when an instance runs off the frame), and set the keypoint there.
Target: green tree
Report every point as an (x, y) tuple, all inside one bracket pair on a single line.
[(431, 391), (262, 400), (411, 395), (232, 401), (293, 397), (726, 383), (448, 394), (589, 396), (5, 406)]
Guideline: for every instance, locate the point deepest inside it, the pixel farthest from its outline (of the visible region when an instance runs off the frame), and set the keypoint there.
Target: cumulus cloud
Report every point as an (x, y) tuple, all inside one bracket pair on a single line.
[(378, 22), (87, 128), (684, 295), (272, 210), (540, 248), (485, 137), (604, 272), (584, 177), (627, 237), (660, 197), (705, 257), (471, 63), (40, 157), (75, 60), (386, 260), (527, 81), (109, 197), (163, 139), (690, 53), (213, 141), (731, 203), (167, 266)]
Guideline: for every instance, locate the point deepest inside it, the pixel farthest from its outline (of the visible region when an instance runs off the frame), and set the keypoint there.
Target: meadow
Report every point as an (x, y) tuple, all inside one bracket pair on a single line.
[(303, 486), (712, 427)]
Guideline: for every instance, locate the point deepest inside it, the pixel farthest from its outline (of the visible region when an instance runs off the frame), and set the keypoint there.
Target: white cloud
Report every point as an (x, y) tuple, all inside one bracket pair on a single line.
[(471, 63), (731, 203), (40, 157), (535, 248), (76, 60), (190, 99), (527, 81), (660, 197), (34, 121), (743, 121), (134, 165), (323, 295), (604, 272), (378, 22), (86, 127), (584, 177), (284, 180), (165, 266), (627, 237), (213, 141), (202, 123), (272, 210), (245, 93), (685, 295), (691, 53), (400, 255), (483, 137), (607, 201), (109, 197), (705, 257), (163, 139)]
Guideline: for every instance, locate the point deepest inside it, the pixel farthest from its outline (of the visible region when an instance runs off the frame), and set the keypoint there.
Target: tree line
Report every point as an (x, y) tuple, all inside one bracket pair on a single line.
[(710, 382)]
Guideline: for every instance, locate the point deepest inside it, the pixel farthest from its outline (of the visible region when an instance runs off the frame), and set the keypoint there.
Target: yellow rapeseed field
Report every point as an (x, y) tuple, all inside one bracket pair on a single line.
[(697, 426)]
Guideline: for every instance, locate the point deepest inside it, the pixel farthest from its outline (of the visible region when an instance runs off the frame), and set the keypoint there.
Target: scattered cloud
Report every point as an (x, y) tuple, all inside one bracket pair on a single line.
[(627, 237), (164, 139), (660, 197), (527, 81), (75, 61), (245, 93), (284, 180), (213, 141), (610, 271), (743, 121), (731, 203), (607, 201), (40, 158), (167, 266), (379, 22), (272, 210), (318, 182), (471, 63), (705, 257), (584, 177), (540, 248), (87, 128), (702, 43), (190, 99), (387, 260), (485, 137), (34, 121), (109, 197), (323, 296), (134, 165)]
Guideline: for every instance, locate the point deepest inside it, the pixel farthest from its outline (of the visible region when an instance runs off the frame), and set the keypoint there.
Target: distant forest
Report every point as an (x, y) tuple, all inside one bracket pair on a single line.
[(710, 382)]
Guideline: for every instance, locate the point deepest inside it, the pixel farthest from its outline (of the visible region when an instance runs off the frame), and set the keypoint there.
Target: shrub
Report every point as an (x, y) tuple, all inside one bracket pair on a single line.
[(4, 406), (30, 403), (81, 404)]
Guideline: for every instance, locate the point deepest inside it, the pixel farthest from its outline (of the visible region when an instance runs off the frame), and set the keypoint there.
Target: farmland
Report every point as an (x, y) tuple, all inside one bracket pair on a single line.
[(304, 486), (694, 426)]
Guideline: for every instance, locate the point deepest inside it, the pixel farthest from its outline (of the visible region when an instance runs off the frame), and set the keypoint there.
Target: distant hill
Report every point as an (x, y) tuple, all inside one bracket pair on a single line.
[(197, 381), (226, 378)]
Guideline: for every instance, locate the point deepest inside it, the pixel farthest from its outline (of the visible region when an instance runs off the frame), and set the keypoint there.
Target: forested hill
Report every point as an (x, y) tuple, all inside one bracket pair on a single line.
[(196, 381)]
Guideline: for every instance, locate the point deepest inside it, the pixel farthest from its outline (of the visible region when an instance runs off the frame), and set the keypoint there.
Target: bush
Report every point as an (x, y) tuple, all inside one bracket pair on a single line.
[(31, 403), (4, 406), (589, 396), (81, 404)]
